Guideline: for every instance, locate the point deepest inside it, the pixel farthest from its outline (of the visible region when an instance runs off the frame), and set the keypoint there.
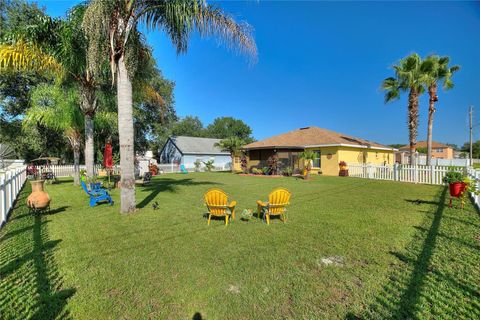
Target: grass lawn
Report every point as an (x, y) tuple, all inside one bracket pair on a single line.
[(399, 252)]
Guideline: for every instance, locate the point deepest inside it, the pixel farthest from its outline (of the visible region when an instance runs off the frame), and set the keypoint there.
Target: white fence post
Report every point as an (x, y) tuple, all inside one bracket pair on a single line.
[(11, 183), (8, 182), (3, 201), (405, 173)]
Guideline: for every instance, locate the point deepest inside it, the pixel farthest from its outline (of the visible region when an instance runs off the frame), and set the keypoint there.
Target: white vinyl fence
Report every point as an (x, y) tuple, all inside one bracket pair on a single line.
[(414, 174), (68, 170), (401, 172), (11, 182), (174, 168), (475, 176)]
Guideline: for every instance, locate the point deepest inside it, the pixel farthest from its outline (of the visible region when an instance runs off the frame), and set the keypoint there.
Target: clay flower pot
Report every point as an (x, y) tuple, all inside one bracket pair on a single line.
[(38, 199)]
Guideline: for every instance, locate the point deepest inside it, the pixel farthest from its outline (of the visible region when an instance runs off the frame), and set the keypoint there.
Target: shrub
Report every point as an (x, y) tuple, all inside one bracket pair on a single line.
[(197, 165), (244, 164), (453, 177), (208, 165), (287, 171), (273, 164), (265, 170), (256, 171)]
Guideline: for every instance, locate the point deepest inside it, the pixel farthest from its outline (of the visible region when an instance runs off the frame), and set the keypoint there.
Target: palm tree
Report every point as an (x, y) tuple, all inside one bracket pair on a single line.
[(111, 27), (58, 48), (436, 70), (308, 156), (408, 78), (232, 145), (56, 108)]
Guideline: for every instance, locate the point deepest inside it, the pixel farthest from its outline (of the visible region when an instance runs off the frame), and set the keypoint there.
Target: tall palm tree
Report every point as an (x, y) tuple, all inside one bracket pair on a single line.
[(436, 69), (58, 48), (56, 108), (232, 145), (408, 78), (111, 27)]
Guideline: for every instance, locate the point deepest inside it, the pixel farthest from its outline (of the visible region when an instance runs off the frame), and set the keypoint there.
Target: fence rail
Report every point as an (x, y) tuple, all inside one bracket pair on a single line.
[(68, 170), (402, 172), (11, 182), (415, 174)]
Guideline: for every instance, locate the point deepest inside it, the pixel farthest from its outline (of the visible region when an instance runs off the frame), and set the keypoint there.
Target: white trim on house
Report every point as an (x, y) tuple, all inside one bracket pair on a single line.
[(349, 145), (207, 153)]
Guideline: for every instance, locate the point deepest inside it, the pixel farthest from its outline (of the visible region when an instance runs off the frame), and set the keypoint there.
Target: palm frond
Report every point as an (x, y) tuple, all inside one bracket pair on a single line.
[(22, 56), (180, 18)]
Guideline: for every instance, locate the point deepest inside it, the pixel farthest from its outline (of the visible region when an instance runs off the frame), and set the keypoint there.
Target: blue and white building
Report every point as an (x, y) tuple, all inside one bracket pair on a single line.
[(187, 150)]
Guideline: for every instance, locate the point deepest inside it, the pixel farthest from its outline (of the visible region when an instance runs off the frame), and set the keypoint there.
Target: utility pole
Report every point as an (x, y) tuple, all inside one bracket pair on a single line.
[(470, 113)]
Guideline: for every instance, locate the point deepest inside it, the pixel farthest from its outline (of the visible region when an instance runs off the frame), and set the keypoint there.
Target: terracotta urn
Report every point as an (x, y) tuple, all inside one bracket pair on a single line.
[(38, 199)]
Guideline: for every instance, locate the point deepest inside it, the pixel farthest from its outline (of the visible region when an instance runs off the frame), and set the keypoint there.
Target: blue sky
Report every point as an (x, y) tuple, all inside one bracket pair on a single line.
[(321, 64)]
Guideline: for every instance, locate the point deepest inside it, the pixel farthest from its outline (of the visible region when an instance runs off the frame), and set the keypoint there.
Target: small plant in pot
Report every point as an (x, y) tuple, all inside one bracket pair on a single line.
[(455, 182), (308, 157), (246, 215)]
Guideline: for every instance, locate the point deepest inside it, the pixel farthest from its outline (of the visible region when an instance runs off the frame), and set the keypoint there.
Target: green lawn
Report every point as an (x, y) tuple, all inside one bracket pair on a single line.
[(400, 253)]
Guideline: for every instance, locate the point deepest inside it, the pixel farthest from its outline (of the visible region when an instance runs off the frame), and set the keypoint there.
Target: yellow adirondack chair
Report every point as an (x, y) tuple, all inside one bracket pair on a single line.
[(216, 201), (278, 199)]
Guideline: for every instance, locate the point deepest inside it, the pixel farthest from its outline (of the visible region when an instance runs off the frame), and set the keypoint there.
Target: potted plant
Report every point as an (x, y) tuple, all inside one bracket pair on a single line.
[(308, 157), (343, 169), (246, 215), (455, 182)]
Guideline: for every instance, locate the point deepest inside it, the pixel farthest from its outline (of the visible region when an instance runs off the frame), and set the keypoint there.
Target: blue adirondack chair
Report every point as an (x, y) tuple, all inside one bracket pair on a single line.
[(97, 195), (183, 169)]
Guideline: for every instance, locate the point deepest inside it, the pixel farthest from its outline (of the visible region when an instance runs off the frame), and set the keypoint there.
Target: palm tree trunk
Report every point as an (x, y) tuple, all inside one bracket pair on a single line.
[(432, 91), (89, 160), (412, 123), (126, 137), (76, 165), (88, 104), (75, 139)]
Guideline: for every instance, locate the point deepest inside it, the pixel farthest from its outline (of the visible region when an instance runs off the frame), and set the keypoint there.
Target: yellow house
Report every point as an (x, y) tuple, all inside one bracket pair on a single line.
[(330, 148)]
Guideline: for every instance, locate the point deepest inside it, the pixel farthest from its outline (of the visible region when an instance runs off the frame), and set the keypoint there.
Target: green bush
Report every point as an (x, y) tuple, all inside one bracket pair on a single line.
[(453, 177)]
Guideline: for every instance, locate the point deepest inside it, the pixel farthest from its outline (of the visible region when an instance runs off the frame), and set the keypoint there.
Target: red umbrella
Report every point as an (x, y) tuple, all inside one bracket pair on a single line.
[(107, 156)]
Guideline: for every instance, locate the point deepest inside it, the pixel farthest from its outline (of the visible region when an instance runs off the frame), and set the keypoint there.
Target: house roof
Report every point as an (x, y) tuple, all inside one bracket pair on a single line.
[(195, 145), (313, 137), (423, 144)]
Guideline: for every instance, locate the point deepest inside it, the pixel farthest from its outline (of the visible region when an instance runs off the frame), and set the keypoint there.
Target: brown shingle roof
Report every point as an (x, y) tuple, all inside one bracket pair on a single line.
[(311, 136), (423, 144)]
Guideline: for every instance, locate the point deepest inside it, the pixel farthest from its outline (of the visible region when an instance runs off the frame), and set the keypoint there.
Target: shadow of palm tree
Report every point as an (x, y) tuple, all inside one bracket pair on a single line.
[(167, 185), (30, 284), (420, 286)]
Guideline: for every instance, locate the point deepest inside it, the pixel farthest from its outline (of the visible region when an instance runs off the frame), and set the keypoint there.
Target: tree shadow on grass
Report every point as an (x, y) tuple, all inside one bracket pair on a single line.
[(30, 284), (424, 282), (167, 185)]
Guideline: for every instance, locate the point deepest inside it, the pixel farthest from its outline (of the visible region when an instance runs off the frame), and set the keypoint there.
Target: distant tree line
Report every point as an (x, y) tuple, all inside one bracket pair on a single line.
[(220, 128)]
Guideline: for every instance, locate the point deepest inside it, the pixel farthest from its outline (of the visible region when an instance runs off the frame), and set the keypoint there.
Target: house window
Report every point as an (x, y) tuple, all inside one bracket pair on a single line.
[(316, 160), (439, 150)]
